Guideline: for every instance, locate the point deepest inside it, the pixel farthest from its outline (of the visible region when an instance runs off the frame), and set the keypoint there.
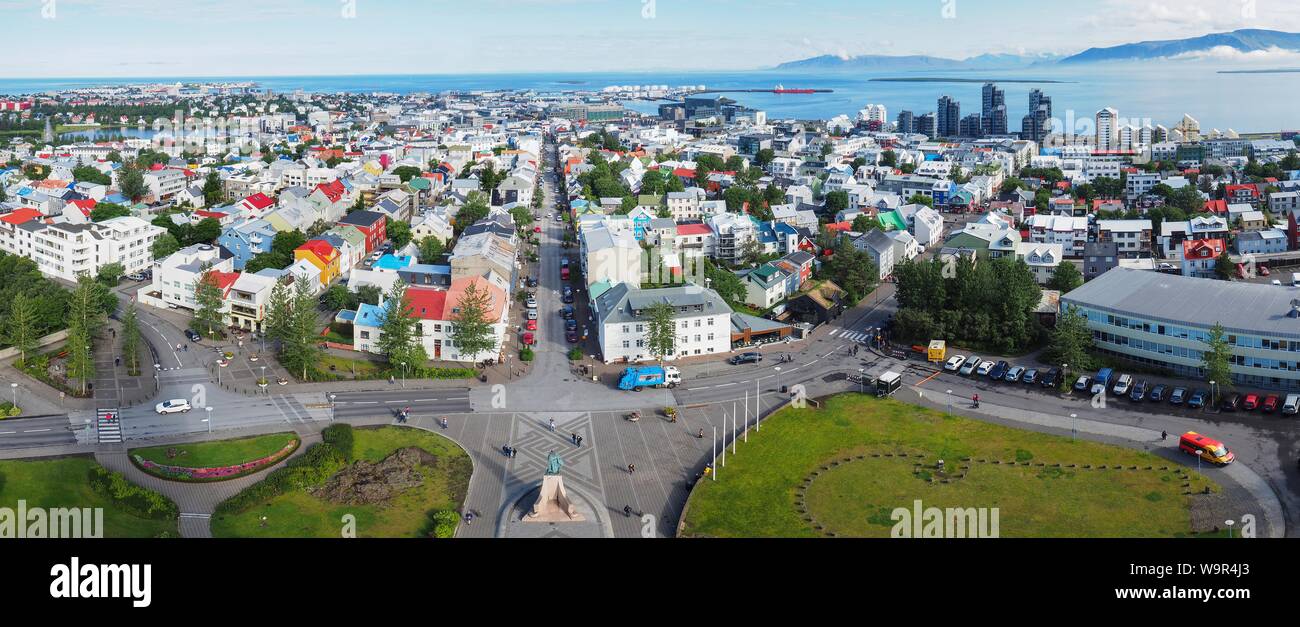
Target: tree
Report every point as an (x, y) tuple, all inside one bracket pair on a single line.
[(472, 332), (107, 211), (296, 327), (431, 250), (865, 223), (406, 172), (279, 313), (724, 282), (205, 232), (166, 244), (765, 157), (837, 201), (88, 304), (889, 159), (110, 273), (921, 199), (853, 270), (661, 331), (476, 208), (1215, 359), (1070, 341), (1223, 267), (131, 340), (20, 328), (399, 232), (131, 183), (81, 359), (1066, 278), (400, 340), (212, 191), (208, 300), (337, 297)]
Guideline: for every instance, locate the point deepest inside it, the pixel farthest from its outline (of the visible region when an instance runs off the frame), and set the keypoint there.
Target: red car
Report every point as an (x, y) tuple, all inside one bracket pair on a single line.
[(1251, 402), (1270, 403), (537, 229), (531, 325), (529, 339)]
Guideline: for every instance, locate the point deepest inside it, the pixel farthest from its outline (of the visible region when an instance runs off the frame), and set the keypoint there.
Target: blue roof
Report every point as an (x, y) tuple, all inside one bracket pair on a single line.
[(369, 315), (346, 315), (785, 229), (391, 262)]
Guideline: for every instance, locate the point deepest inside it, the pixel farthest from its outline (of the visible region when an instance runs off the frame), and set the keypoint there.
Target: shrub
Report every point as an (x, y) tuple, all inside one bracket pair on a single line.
[(135, 499), (526, 354), (445, 523), (576, 354), (339, 436), (312, 468)]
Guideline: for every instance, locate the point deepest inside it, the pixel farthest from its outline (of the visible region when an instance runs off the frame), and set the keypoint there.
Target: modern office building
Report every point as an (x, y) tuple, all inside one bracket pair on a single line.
[(1164, 320), (994, 112), (948, 123), (1107, 129)]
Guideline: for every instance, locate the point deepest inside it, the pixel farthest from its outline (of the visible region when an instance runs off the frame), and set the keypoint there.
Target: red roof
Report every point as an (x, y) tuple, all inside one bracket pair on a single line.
[(210, 214), (426, 304), (1216, 206), (684, 172), (840, 226), (85, 205), (1203, 249), (259, 201), (225, 279), (20, 216), (321, 248), (333, 190), (693, 229)]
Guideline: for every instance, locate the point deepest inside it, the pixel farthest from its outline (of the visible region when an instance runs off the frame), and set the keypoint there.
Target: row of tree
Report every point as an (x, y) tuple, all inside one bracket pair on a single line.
[(987, 303)]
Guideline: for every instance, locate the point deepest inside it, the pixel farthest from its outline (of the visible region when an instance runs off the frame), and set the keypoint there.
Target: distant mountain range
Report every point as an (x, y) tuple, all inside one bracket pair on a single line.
[(1242, 41)]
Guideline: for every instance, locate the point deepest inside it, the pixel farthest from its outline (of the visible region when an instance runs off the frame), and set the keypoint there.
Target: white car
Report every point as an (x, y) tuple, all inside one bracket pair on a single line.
[(174, 406), (985, 367), (954, 363), (971, 364), (532, 314)]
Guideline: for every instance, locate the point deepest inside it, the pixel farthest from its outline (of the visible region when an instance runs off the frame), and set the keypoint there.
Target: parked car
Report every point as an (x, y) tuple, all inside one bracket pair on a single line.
[(1013, 375), (1139, 391), (1124, 385), (570, 324), (529, 339), (1250, 402), (531, 325), (532, 314), (1270, 404), (1081, 384), (1197, 399), (1291, 406), (531, 303), (571, 336), (1231, 402), (567, 311), (1157, 393), (192, 336), (954, 363), (531, 282), (746, 358), (1031, 376), (970, 366), (999, 371), (174, 406), (1178, 396), (985, 368), (1050, 379)]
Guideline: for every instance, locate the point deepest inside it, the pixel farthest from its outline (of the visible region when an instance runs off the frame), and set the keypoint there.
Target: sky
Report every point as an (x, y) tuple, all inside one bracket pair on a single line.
[(142, 38)]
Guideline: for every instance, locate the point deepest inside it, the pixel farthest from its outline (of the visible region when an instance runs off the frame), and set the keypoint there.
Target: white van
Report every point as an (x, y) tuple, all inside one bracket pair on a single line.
[(1295, 279), (1123, 385), (1292, 405)]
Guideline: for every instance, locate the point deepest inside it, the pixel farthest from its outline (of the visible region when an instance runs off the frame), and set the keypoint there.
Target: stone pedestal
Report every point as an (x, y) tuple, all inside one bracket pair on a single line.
[(553, 504)]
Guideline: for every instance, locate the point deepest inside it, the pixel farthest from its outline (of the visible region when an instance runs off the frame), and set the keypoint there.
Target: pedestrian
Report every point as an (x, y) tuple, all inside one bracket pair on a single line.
[(579, 440), (1164, 435), (552, 424), (700, 435), (469, 517), (505, 448), (574, 437), (627, 511), (631, 468), (514, 452)]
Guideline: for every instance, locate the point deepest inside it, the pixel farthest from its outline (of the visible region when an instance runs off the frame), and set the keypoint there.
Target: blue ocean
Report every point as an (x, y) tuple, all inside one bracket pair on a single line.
[(1160, 92)]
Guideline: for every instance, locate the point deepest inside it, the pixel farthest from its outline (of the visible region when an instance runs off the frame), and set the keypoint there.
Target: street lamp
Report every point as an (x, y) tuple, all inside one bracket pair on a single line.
[(950, 401), (332, 409), (14, 387), (862, 380), (1199, 454), (1229, 523), (1214, 393), (1074, 427), (778, 379), (209, 418), (403, 374)]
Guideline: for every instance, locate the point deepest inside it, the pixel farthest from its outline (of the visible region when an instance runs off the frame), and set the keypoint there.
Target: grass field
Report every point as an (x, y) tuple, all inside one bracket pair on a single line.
[(758, 492), (220, 453), (301, 515), (63, 483)]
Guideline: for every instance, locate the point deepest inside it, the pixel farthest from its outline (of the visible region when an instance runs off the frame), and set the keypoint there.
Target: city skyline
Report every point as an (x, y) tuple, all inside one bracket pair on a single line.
[(244, 38)]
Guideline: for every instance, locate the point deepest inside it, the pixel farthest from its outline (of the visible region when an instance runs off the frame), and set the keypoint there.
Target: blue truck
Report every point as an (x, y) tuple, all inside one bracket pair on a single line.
[(638, 378), (1101, 382)]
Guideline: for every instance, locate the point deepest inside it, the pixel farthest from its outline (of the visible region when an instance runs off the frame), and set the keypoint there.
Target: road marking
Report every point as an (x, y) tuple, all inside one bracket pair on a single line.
[(723, 385), (7, 432), (36, 431), (834, 333), (365, 402), (424, 400)]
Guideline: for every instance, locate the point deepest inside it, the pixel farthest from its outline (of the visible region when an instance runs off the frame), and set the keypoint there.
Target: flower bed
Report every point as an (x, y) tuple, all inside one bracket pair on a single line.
[(219, 473)]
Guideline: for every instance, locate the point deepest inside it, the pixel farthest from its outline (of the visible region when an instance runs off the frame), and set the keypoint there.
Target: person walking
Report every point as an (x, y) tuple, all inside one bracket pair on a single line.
[(552, 424), (631, 468), (627, 511), (700, 434), (579, 440), (1164, 435), (574, 437)]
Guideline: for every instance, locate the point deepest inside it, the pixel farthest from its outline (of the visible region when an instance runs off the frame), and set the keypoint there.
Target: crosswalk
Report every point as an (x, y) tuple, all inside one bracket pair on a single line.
[(857, 337), (108, 426)]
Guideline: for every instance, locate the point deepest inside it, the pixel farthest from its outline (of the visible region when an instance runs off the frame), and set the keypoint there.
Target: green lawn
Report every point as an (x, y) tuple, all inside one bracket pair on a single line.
[(220, 453), (758, 491), (299, 514), (64, 483)]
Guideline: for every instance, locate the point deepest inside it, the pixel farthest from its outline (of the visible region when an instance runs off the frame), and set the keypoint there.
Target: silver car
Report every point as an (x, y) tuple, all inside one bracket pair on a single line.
[(970, 366)]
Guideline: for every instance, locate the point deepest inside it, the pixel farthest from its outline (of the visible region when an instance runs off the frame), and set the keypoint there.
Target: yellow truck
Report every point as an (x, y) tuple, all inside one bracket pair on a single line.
[(938, 351)]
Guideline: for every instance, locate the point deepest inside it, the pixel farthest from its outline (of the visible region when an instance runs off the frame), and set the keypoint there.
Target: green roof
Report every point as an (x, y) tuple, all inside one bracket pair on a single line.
[(598, 288), (419, 183), (892, 221)]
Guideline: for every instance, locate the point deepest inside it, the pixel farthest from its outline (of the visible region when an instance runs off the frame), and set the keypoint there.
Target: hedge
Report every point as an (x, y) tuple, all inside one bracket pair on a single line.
[(319, 463), (339, 436), (135, 499), (444, 523)]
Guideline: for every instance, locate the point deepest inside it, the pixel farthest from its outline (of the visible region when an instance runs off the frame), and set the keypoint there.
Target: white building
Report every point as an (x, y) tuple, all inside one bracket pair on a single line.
[(702, 318), (68, 251), (174, 276)]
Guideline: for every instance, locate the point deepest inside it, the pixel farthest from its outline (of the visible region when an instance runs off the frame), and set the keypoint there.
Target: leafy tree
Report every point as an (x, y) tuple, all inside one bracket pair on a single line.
[(837, 201), (131, 339), (889, 159), (208, 300), (337, 297), (765, 157), (1070, 341), (107, 211), (865, 223), (1216, 357), (369, 294), (90, 174), (21, 329), (472, 332), (400, 340), (399, 232), (296, 325), (212, 190), (279, 313), (1066, 278), (166, 244), (1223, 267), (131, 182), (921, 199), (661, 331), (110, 273), (88, 305), (81, 358), (205, 232), (476, 208), (724, 282), (407, 172), (853, 270)]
